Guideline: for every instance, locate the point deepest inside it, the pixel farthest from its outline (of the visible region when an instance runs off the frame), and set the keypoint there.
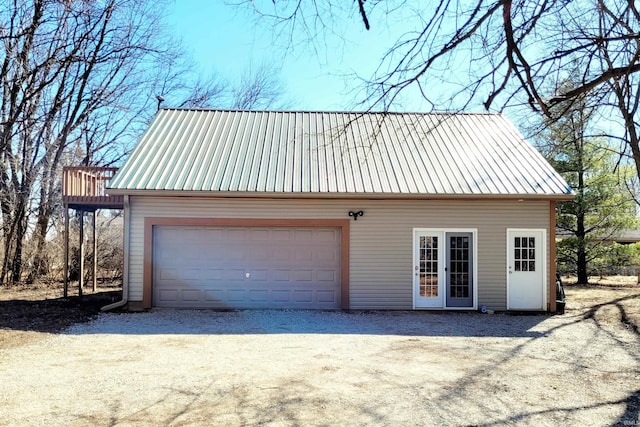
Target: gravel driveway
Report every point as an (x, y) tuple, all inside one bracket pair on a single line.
[(325, 368)]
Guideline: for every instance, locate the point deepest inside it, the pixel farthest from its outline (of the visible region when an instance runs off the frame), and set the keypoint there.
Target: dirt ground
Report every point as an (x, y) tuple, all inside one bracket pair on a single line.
[(187, 367), (33, 312), (610, 300)]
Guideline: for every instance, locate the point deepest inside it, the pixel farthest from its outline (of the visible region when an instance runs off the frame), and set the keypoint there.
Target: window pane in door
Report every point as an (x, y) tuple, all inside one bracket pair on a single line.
[(459, 285), (428, 274), (524, 254)]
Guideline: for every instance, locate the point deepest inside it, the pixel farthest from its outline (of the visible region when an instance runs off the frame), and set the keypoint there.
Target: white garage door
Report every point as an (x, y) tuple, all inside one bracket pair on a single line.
[(246, 267)]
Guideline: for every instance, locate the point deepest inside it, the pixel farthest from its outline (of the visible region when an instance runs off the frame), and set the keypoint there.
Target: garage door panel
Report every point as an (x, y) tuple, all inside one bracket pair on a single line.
[(168, 274), (258, 296), (233, 295), (168, 295), (326, 255), (190, 273), (327, 235), (281, 255), (303, 254), (259, 234), (191, 295), (246, 267), (303, 296), (230, 275), (328, 297), (326, 276), (214, 274), (281, 235), (259, 275), (212, 295), (281, 275), (238, 234), (304, 276), (259, 254), (303, 235), (233, 253)]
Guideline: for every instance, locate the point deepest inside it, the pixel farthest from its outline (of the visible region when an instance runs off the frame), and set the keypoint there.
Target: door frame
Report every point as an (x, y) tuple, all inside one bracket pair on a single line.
[(474, 238), (545, 278)]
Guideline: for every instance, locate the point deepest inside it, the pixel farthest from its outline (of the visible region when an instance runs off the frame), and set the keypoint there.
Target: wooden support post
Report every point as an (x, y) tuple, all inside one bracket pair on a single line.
[(66, 252), (95, 253), (81, 279)]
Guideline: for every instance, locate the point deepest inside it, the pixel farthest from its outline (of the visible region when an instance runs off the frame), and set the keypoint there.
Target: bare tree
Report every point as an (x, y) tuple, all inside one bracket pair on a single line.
[(66, 67), (257, 89), (78, 82), (506, 53)]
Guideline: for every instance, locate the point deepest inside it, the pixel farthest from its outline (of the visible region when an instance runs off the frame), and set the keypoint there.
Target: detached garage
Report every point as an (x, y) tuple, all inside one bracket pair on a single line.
[(311, 210)]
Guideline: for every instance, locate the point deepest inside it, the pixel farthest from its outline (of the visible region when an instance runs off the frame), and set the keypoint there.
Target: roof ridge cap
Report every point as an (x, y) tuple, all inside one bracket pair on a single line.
[(304, 111)]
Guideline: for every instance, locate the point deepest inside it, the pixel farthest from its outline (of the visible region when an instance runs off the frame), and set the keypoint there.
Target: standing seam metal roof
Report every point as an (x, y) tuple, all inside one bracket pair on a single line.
[(326, 153)]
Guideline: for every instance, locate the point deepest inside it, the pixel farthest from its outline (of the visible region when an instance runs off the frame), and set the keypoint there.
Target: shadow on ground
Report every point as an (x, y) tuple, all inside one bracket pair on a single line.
[(53, 315), (241, 322)]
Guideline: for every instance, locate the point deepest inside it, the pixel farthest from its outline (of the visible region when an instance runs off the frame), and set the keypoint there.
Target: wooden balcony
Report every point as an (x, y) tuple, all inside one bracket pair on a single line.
[(85, 188)]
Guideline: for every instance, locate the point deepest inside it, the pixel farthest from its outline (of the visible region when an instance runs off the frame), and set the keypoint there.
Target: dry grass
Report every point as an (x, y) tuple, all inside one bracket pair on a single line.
[(53, 290), (608, 299), (606, 281), (31, 312)]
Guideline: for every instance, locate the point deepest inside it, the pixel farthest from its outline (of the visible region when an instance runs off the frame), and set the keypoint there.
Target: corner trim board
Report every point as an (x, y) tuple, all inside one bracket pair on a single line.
[(552, 257)]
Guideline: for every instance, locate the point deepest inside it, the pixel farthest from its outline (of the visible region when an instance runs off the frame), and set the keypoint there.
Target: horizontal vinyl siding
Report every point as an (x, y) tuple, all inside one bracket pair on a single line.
[(381, 269)]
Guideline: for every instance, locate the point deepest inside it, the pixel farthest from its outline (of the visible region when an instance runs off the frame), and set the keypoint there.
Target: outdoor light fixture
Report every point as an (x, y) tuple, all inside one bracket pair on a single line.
[(356, 214)]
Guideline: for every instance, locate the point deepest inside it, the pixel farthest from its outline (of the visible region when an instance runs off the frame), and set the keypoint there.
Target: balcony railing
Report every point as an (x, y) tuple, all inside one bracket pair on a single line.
[(85, 188)]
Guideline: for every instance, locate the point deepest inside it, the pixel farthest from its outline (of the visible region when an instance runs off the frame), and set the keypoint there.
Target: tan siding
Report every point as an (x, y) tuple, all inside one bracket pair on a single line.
[(136, 247), (381, 241)]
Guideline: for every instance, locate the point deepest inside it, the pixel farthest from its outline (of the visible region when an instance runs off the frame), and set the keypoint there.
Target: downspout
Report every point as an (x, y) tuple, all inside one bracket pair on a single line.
[(125, 268)]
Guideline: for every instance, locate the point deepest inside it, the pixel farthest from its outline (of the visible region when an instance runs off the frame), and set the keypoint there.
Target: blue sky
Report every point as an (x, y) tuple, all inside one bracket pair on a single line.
[(228, 40)]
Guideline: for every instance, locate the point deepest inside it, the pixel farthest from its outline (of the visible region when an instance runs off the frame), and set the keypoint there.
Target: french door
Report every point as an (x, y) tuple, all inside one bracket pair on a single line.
[(444, 265)]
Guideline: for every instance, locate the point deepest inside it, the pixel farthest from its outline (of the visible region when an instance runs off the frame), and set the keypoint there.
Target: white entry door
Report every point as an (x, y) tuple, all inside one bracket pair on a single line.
[(526, 269)]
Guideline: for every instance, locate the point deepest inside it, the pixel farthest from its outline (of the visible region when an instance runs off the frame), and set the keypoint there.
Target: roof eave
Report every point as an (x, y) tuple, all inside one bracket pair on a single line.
[(335, 195)]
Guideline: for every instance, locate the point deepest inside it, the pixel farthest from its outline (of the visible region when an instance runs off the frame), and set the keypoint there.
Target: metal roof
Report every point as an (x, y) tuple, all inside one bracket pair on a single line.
[(333, 153)]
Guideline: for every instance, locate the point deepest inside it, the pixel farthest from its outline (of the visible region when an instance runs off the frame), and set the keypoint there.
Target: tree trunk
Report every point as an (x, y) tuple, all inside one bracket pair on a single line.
[(40, 265), (8, 234), (581, 250), (45, 210), (583, 277), (6, 206), (8, 240), (16, 267), (21, 230), (581, 255)]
